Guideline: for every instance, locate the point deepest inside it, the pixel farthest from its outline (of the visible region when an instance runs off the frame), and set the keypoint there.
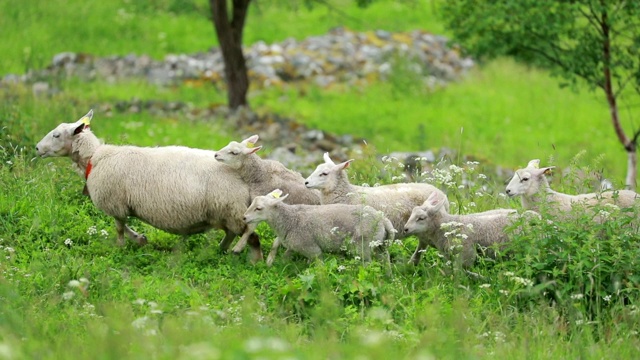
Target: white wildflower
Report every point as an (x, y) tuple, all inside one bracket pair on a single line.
[(607, 298), (74, 283), (104, 233), (341, 268), (482, 176), (577, 296), (92, 230), (140, 323), (139, 301), (68, 295), (485, 286), (504, 292), (68, 242), (579, 322)]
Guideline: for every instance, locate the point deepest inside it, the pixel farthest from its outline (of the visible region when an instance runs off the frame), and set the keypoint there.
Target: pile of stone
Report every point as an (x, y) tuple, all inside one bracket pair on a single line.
[(341, 56)]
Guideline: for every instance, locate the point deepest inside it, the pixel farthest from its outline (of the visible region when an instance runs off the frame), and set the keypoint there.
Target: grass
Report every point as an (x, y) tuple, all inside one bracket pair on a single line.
[(182, 298)]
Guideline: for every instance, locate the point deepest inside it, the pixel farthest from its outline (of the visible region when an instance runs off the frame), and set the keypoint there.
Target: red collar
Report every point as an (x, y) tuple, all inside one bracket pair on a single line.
[(87, 171)]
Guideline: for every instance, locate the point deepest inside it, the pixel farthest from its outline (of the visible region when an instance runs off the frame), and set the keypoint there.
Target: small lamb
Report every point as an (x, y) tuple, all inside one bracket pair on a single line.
[(176, 189), (395, 200), (313, 229), (452, 234), (532, 185), (263, 176)]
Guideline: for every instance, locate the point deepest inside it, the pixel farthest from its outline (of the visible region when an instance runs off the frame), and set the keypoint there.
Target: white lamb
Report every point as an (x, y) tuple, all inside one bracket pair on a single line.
[(453, 234), (263, 176), (313, 229), (395, 200), (532, 185), (176, 189)]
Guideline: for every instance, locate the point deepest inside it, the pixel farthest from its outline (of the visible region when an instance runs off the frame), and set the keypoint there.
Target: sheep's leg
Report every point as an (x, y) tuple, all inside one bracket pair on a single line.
[(123, 229), (274, 251), (415, 258), (244, 238), (226, 241), (255, 252)]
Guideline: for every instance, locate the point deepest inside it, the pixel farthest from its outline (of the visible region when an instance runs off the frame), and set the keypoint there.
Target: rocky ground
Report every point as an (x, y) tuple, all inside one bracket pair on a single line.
[(339, 57)]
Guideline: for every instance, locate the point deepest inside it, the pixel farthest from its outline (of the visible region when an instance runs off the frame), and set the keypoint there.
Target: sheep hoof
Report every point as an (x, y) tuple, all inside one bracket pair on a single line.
[(142, 240)]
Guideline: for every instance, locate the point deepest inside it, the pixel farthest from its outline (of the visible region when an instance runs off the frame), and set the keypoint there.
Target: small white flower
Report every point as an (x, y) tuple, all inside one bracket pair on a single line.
[(139, 301), (9, 249), (74, 283), (579, 322), (472, 204), (485, 286), (104, 233), (92, 230), (68, 295), (140, 323), (68, 242), (357, 258), (577, 296), (504, 292), (482, 176), (607, 298), (508, 273), (341, 268)]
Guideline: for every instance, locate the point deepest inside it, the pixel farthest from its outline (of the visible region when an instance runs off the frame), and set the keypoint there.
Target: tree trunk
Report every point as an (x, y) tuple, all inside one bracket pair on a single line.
[(230, 38), (629, 144)]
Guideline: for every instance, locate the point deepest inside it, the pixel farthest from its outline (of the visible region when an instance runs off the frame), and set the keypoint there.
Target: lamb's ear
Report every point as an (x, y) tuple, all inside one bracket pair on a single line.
[(327, 159), (547, 170), (283, 197), (251, 150), (275, 193), (344, 165), (533, 164), (432, 199), (251, 140), (438, 204)]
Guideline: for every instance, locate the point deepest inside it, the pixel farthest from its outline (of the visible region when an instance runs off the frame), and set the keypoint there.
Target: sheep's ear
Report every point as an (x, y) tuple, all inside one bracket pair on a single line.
[(79, 128), (251, 150), (432, 199), (534, 164), (327, 159), (547, 170), (344, 165), (250, 140), (87, 118), (283, 197), (437, 205)]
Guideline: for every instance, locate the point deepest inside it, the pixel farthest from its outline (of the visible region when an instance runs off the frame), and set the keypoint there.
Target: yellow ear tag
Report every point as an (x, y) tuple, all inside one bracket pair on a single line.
[(250, 145), (85, 120), (275, 195), (536, 166)]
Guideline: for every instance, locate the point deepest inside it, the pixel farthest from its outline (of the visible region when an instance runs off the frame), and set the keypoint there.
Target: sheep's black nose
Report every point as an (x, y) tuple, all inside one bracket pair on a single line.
[(508, 191), (244, 218), (37, 149), (306, 183), (406, 230)]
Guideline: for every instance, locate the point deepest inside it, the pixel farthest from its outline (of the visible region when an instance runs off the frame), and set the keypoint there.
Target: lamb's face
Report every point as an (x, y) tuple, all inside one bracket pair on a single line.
[(520, 183), (418, 221), (231, 154), (258, 210), (321, 177), (58, 141)]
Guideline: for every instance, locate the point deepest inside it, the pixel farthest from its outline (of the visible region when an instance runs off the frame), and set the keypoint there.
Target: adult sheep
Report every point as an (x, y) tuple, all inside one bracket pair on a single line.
[(176, 189), (396, 201)]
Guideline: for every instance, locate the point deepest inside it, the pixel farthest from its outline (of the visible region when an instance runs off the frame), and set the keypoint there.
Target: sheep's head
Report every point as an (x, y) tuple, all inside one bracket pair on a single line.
[(527, 181), (235, 153), (424, 217), (58, 142), (325, 176), (261, 205)]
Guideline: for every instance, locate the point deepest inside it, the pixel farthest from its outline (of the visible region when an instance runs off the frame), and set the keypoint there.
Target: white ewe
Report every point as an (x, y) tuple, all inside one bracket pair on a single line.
[(395, 200), (452, 234), (313, 229), (263, 176), (176, 189), (532, 185)]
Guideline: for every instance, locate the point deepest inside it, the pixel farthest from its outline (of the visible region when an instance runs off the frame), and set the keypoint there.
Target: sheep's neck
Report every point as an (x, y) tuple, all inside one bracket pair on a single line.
[(82, 149), (532, 202), (287, 219), (339, 193), (250, 170)]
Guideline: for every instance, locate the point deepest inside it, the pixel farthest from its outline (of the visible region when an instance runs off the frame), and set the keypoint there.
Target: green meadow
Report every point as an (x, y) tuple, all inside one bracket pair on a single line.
[(67, 291)]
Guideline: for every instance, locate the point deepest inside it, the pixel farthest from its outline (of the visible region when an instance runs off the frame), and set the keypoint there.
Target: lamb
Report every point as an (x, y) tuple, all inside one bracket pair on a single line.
[(176, 189), (532, 185), (263, 176), (396, 200), (452, 233), (313, 229)]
